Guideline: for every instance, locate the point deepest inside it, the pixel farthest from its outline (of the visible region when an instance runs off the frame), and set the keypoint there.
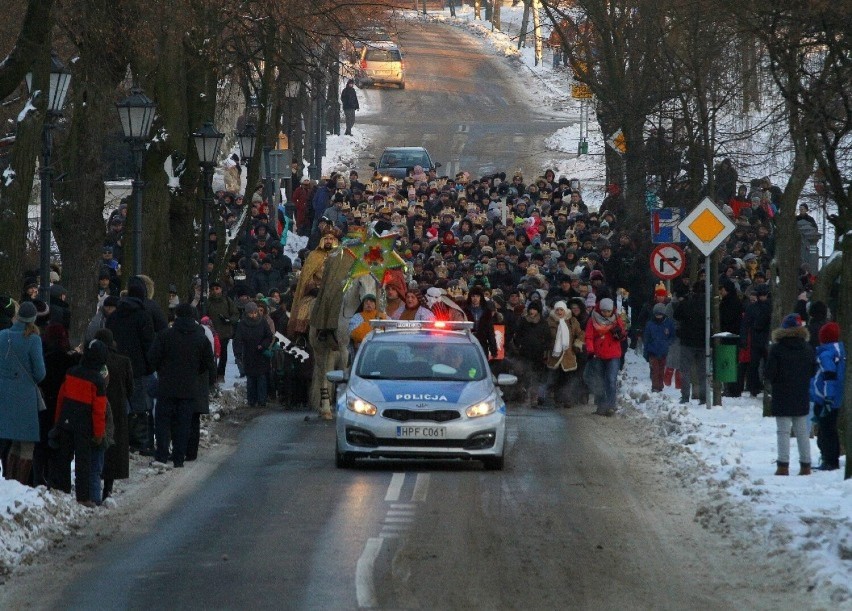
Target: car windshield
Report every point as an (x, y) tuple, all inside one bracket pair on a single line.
[(404, 160), (382, 55), (421, 361)]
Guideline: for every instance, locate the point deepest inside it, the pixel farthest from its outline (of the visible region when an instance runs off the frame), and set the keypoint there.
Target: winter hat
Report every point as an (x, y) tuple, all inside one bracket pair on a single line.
[(659, 309), (829, 333), (534, 305), (136, 288), (660, 290), (95, 355), (591, 301), (561, 304), (111, 300), (185, 310), (791, 321), (106, 336), (54, 277), (596, 275), (27, 312), (250, 307), (607, 304)]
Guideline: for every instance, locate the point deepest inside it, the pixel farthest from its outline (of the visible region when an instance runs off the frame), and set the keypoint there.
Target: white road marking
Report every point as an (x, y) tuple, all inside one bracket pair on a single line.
[(403, 506), (421, 487), (389, 520), (395, 487), (365, 586), (400, 513)]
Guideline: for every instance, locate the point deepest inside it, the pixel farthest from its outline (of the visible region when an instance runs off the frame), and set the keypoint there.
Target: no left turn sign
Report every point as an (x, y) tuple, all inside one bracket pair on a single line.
[(667, 261)]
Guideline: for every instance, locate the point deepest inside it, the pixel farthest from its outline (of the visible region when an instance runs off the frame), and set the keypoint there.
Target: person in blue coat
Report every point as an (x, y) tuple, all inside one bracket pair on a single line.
[(657, 339), (827, 393), (21, 369)]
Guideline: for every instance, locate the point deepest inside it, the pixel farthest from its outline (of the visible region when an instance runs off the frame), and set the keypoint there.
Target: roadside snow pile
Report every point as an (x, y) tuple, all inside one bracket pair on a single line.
[(730, 452), (31, 519), (228, 401)]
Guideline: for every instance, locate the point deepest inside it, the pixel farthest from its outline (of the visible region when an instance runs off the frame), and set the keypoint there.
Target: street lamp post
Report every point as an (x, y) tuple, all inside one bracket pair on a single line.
[(60, 79), (247, 139), (137, 116), (207, 143), (291, 92)]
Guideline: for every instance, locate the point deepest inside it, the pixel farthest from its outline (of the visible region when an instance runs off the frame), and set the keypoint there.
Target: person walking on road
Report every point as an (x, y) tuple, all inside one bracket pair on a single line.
[(179, 355), (349, 100)]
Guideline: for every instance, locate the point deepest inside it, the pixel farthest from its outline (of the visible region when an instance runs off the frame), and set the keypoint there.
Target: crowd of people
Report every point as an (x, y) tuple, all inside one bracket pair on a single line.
[(557, 291)]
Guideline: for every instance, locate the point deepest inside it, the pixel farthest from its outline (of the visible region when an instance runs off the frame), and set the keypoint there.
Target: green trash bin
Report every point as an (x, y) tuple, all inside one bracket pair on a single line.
[(725, 357)]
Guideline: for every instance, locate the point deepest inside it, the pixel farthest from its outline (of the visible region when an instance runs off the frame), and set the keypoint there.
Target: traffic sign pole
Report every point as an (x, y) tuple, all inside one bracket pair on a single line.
[(708, 363), (707, 227)]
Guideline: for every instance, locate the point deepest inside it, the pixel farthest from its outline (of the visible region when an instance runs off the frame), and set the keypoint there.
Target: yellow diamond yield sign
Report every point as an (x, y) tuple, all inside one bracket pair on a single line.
[(706, 226)]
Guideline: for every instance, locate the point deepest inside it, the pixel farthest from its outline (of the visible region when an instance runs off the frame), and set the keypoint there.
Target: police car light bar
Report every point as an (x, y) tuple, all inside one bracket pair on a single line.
[(449, 325)]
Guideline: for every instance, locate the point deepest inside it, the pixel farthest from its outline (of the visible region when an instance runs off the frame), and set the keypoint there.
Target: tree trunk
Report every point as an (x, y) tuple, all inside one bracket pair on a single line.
[(784, 275), (635, 213), (17, 196), (79, 225), (171, 239), (34, 38), (844, 423)]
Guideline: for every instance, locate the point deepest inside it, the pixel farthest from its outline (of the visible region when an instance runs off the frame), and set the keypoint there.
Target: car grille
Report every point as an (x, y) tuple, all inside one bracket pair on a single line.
[(407, 415)]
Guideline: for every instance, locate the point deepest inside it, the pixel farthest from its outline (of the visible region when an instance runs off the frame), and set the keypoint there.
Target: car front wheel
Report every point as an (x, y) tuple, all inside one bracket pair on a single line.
[(493, 463), (342, 460)]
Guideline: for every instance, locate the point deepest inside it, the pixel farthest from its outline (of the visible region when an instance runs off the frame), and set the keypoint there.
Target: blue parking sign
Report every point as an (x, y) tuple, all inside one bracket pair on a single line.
[(664, 226)]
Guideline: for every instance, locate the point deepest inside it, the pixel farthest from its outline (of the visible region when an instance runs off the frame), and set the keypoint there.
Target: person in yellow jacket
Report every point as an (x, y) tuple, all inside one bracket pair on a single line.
[(359, 324)]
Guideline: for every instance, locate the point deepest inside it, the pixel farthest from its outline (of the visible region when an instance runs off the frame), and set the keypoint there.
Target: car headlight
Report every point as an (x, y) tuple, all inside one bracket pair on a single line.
[(359, 406), (483, 408)]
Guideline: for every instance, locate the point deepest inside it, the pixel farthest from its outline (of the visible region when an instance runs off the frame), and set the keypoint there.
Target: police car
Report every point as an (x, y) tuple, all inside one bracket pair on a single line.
[(420, 390)]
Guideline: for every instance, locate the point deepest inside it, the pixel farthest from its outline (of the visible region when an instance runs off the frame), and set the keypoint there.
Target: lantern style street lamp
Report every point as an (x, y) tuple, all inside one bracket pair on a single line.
[(137, 116), (207, 143), (247, 139), (59, 82)]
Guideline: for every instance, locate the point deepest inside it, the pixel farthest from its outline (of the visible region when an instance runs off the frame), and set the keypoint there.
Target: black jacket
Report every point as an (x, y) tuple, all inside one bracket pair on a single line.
[(757, 324), (789, 368), (690, 315), (253, 337), (730, 313), (179, 354), (349, 98), (484, 329), (533, 341), (133, 329)]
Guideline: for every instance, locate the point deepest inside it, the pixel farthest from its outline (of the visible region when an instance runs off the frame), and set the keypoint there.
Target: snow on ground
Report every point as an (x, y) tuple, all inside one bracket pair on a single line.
[(733, 444)]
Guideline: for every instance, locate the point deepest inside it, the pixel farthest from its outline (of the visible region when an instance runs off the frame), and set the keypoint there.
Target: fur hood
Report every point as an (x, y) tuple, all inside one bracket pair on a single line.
[(794, 332), (149, 285)]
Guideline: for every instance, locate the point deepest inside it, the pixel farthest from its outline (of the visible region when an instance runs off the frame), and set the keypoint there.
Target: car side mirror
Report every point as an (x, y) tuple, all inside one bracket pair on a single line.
[(338, 376), (372, 164), (504, 379), (437, 165)]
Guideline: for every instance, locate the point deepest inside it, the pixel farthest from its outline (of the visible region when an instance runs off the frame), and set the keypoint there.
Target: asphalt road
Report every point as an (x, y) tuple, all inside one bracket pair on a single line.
[(585, 516), (464, 105)]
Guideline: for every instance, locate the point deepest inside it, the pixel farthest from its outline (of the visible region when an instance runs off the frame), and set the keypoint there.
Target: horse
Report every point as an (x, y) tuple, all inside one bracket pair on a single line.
[(328, 334)]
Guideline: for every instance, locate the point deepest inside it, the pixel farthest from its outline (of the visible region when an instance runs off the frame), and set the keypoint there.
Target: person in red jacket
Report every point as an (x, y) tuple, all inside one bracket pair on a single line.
[(81, 421), (302, 203), (604, 333)]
